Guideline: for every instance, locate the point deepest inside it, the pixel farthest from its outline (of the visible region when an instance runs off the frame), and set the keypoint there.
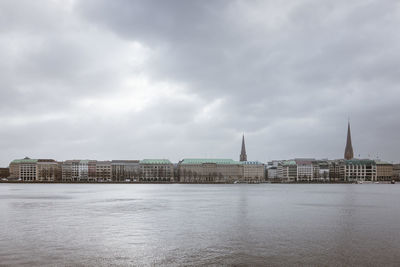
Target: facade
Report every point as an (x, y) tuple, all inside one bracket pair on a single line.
[(323, 170), (384, 171), (287, 171), (156, 170), (92, 175), (210, 171), (27, 170), (103, 171), (31, 170), (360, 170), (4, 172), (75, 171), (123, 170), (14, 170), (337, 170), (307, 170), (355, 170), (86, 171), (272, 173), (253, 171), (396, 172), (48, 170)]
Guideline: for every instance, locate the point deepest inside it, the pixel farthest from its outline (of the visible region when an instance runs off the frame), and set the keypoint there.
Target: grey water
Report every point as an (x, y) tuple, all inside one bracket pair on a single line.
[(184, 225)]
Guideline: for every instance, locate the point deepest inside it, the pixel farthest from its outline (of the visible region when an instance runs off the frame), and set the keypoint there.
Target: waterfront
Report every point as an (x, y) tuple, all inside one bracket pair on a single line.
[(178, 224)]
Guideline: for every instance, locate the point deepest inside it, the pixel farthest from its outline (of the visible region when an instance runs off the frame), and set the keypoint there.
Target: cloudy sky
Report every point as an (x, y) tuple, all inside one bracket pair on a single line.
[(127, 79)]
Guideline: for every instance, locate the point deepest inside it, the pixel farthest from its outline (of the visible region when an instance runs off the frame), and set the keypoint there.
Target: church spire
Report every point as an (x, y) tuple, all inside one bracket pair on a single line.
[(348, 151), (243, 155)]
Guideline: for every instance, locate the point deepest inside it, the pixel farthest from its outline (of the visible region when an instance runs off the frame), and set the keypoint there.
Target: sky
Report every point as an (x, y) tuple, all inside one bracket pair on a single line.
[(126, 79)]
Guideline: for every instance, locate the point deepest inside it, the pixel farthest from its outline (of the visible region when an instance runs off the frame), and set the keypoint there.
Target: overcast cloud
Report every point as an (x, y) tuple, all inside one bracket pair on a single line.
[(127, 79)]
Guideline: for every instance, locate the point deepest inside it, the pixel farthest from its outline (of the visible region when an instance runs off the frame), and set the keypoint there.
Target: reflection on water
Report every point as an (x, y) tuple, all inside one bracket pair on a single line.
[(72, 224)]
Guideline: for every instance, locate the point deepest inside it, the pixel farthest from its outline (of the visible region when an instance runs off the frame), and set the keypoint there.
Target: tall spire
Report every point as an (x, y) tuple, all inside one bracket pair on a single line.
[(243, 155), (348, 151)]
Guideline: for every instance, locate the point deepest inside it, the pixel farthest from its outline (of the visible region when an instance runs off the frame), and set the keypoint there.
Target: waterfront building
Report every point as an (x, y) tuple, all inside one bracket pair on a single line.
[(352, 170), (384, 171), (243, 155), (272, 173), (323, 170), (287, 171), (156, 170), (348, 151), (123, 170), (14, 170), (253, 171), (360, 170), (210, 171), (30, 170), (307, 170), (75, 171), (4, 172), (337, 170), (396, 171), (48, 170), (103, 171), (92, 170)]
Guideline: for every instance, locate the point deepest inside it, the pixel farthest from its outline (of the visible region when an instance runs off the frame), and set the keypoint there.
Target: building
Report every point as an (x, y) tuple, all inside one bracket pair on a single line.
[(287, 171), (323, 170), (272, 173), (253, 171), (396, 172), (123, 170), (384, 171), (4, 172), (337, 170), (354, 170), (360, 170), (307, 170), (75, 171), (210, 171), (103, 171), (48, 170), (243, 155), (156, 170), (31, 170), (348, 151)]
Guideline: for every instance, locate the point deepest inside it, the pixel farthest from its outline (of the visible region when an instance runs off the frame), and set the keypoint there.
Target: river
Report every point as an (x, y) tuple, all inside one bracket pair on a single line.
[(183, 224)]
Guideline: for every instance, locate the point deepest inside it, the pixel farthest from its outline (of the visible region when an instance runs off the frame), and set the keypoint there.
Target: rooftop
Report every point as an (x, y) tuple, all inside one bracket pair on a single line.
[(155, 161), (215, 161), (250, 162), (360, 162), (24, 160), (289, 162)]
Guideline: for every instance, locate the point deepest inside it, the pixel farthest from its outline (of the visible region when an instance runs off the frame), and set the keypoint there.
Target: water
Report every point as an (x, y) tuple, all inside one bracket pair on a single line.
[(174, 224)]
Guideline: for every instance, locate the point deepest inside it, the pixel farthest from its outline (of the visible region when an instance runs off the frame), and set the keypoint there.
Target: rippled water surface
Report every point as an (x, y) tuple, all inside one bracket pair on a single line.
[(174, 224)]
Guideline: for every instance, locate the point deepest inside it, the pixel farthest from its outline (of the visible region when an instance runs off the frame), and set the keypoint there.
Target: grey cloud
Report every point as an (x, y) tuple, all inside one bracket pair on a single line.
[(287, 74)]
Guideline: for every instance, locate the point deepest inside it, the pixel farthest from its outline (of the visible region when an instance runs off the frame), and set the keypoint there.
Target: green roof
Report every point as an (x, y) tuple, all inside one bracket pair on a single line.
[(155, 161), (250, 162), (379, 162), (289, 162), (215, 161), (25, 160), (360, 162)]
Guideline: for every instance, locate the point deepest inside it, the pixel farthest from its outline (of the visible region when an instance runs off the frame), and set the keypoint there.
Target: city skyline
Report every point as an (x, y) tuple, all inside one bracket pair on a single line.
[(348, 154), (140, 79)]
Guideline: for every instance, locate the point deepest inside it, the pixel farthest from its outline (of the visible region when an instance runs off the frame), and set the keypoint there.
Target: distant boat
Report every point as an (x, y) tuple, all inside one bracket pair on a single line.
[(360, 182), (376, 183), (393, 182), (235, 182)]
